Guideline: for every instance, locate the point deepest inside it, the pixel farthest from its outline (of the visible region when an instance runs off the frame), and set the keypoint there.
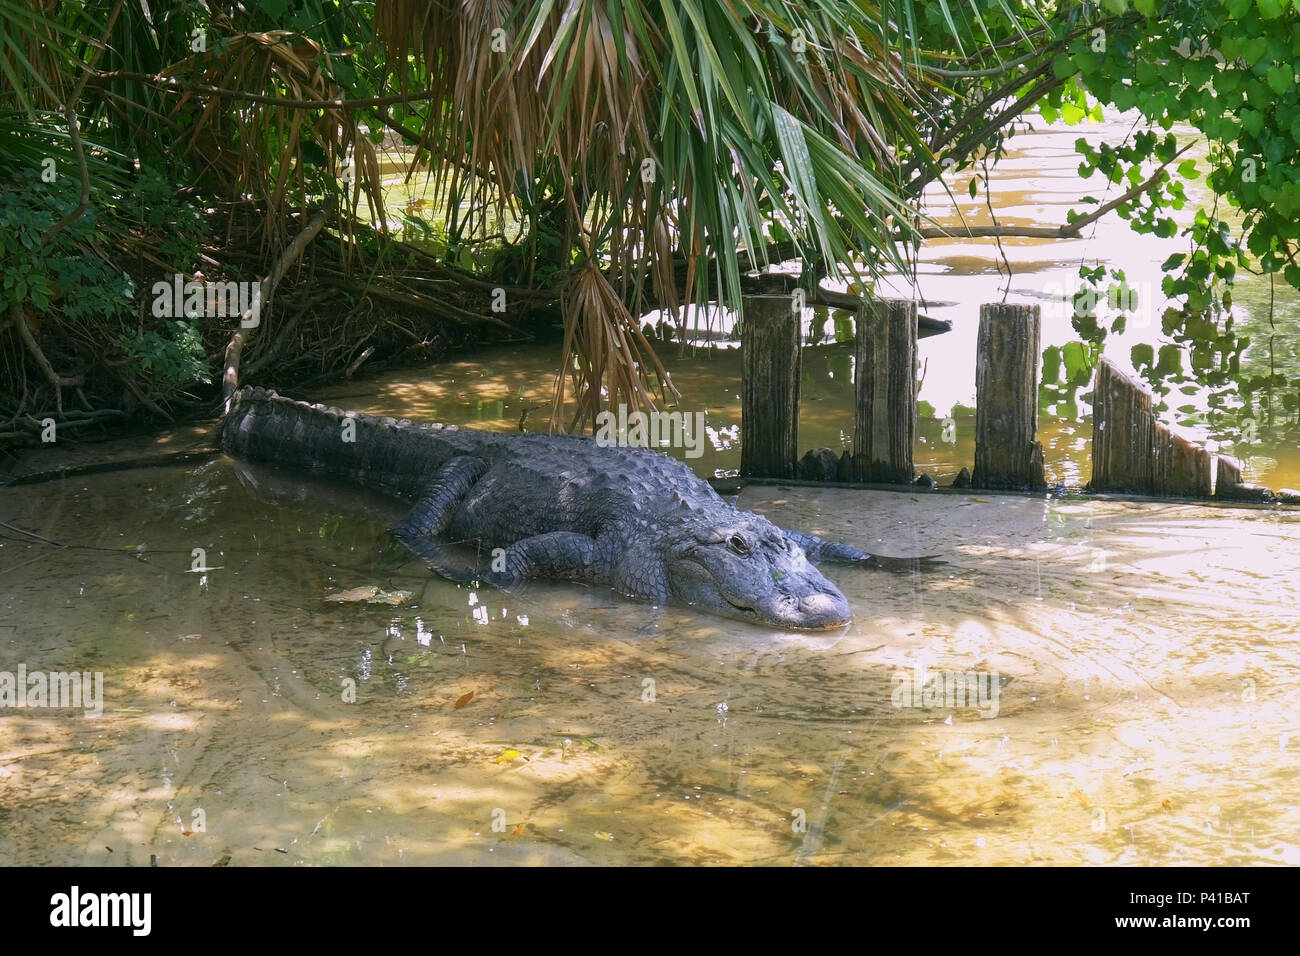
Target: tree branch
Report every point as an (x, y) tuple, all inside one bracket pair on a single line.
[(1069, 230), (235, 349), (74, 131), (17, 318)]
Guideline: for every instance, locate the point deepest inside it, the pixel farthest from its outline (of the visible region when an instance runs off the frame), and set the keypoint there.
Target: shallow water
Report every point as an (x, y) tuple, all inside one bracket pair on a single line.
[(1145, 659), (1143, 654)]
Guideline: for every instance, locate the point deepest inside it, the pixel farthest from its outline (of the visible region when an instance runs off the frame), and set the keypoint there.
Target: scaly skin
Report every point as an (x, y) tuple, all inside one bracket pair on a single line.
[(558, 506)]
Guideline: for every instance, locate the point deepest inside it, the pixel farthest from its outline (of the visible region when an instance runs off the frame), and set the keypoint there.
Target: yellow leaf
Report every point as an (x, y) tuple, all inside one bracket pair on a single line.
[(508, 755)]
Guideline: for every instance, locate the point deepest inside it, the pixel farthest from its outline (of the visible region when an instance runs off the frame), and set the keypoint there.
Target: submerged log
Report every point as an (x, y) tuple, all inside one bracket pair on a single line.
[(769, 400), (885, 421), (1006, 389)]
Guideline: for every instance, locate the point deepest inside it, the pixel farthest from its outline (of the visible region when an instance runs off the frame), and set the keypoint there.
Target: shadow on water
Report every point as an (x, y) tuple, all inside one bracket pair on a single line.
[(1144, 657)]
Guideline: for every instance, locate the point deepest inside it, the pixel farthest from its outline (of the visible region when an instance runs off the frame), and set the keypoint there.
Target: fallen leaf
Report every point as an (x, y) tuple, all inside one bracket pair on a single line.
[(1167, 803), (464, 699), (508, 755), (983, 501), (519, 829), (1081, 797), (604, 835), (191, 637), (363, 593)]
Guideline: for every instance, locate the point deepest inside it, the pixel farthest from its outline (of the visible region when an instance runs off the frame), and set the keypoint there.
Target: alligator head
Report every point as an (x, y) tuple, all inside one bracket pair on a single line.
[(749, 570)]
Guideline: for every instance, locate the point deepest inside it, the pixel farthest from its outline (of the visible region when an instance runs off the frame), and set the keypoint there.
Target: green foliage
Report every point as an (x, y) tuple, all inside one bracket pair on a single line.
[(152, 203), (1228, 69), (88, 297), (64, 269), (169, 359)]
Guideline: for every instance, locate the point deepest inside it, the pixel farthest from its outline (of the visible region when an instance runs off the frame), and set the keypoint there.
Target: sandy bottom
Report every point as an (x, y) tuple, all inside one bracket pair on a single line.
[(1144, 658)]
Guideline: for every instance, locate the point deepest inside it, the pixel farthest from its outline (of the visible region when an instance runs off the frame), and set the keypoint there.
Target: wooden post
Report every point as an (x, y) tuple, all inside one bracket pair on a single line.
[(1132, 453), (885, 422), (1181, 469), (1229, 486), (1123, 433), (1228, 475), (1006, 399), (769, 390)]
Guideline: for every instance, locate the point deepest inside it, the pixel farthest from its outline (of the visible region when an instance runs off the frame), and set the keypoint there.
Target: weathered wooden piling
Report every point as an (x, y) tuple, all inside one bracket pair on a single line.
[(885, 419), (1123, 433), (1229, 486), (1007, 456), (769, 399), (1132, 453), (1180, 467), (1227, 473)]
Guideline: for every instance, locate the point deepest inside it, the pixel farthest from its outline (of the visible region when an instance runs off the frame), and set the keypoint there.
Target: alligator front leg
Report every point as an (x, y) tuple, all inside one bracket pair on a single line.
[(818, 550), (563, 555), (433, 512)]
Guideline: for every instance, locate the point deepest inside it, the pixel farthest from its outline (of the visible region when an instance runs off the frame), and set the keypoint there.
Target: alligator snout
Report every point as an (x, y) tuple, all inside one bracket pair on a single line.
[(816, 611)]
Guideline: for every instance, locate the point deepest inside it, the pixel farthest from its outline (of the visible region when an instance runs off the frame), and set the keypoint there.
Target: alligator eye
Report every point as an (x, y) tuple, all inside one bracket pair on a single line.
[(738, 544)]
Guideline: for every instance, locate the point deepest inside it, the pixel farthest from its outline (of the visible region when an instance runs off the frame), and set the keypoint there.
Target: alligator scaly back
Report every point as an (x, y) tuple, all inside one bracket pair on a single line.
[(556, 506)]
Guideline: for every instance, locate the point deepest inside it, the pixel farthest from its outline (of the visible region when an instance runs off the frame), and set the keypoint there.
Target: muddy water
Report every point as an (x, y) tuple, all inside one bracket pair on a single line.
[(1144, 658)]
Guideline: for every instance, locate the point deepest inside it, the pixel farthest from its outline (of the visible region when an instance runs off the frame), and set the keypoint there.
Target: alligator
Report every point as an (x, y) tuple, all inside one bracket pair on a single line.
[(559, 506)]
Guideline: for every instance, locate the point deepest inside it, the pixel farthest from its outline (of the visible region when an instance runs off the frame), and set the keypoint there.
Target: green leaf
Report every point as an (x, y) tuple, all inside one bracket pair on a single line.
[(1270, 9)]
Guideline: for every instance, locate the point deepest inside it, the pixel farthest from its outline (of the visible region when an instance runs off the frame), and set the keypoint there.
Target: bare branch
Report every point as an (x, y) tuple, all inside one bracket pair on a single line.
[(74, 131), (1069, 230)]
